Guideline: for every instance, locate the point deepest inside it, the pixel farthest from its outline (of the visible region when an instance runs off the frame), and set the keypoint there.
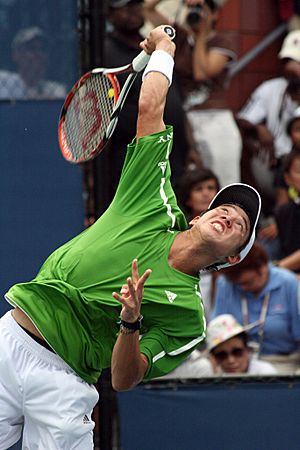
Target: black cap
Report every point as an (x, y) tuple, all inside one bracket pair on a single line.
[(247, 198)]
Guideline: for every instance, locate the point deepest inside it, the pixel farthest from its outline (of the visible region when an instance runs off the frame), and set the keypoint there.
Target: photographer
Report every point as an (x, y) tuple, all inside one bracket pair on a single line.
[(202, 60)]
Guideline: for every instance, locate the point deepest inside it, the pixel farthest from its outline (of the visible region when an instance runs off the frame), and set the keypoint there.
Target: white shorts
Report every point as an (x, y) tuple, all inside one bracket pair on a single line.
[(40, 392)]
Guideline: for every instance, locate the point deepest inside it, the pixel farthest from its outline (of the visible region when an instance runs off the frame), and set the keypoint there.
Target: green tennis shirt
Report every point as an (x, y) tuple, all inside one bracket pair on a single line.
[(70, 300)]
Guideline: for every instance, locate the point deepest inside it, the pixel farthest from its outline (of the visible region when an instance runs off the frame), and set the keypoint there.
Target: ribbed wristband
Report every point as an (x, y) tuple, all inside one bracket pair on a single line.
[(162, 62)]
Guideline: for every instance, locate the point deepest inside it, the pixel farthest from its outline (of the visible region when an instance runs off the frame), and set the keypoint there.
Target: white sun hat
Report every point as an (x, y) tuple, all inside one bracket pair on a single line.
[(222, 328)]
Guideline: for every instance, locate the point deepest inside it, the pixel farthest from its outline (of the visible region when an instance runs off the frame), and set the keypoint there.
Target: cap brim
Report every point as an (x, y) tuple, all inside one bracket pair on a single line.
[(247, 198), (291, 54)]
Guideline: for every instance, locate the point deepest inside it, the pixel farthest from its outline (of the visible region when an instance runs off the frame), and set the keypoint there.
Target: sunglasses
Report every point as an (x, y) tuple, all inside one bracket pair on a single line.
[(237, 352)]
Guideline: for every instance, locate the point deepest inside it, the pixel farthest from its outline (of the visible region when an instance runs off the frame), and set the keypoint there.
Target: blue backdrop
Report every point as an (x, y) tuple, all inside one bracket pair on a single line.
[(41, 194)]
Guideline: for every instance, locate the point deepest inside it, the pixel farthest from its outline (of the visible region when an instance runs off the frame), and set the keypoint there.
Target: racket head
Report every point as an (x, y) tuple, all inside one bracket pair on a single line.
[(85, 115)]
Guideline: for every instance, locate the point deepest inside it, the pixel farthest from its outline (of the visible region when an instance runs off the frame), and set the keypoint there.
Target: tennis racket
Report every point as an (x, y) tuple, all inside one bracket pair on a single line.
[(91, 110)]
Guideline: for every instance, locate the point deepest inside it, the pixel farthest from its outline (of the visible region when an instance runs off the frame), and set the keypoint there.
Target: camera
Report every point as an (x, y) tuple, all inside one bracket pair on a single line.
[(194, 15)]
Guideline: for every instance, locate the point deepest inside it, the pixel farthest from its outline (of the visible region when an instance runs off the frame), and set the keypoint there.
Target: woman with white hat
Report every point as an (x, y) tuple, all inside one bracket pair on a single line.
[(229, 351)]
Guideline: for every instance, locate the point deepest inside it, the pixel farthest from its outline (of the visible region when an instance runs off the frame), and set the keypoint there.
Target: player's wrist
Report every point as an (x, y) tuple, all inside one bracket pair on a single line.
[(128, 327), (162, 62), (130, 319), (166, 45)]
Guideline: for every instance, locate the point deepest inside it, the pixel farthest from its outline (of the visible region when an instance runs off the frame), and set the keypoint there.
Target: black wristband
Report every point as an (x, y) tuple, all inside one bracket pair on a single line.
[(137, 325)]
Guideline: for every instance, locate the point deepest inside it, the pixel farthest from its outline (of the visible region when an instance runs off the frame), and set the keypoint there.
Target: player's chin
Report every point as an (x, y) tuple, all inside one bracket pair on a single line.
[(221, 250)]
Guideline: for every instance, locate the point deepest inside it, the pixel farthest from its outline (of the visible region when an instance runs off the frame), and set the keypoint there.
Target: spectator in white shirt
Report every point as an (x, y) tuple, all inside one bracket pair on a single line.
[(273, 102), (29, 53)]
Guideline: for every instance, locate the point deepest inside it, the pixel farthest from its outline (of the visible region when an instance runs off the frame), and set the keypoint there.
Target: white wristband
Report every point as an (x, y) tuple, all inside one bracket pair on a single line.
[(162, 62)]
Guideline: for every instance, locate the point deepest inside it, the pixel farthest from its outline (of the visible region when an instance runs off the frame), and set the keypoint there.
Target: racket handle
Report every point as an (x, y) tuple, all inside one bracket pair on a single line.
[(141, 60)]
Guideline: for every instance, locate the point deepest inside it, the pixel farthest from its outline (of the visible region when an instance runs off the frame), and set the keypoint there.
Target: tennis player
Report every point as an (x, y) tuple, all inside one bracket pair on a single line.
[(66, 325)]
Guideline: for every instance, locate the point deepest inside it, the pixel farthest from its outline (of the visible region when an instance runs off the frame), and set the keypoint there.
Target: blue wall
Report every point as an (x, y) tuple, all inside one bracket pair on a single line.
[(41, 194), (240, 414)]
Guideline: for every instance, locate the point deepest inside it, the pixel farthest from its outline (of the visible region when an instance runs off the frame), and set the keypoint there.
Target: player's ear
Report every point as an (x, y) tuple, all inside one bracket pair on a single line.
[(233, 259), (194, 220)]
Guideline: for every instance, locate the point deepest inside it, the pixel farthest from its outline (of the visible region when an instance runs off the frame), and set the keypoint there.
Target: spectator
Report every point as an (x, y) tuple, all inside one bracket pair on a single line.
[(268, 111), (195, 191), (29, 53), (263, 121), (227, 344), (258, 291), (288, 214), (202, 59)]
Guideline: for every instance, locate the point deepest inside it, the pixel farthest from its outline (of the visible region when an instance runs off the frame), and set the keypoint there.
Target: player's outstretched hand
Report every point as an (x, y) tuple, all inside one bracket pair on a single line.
[(158, 39), (132, 294)]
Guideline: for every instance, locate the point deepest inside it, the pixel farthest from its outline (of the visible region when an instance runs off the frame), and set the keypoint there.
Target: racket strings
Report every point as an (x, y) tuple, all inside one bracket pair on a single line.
[(88, 116)]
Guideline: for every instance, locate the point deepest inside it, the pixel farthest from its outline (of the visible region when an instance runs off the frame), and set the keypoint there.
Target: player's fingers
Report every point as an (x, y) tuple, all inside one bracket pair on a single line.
[(124, 289), (142, 281), (145, 276), (135, 271), (118, 297), (144, 45), (131, 289)]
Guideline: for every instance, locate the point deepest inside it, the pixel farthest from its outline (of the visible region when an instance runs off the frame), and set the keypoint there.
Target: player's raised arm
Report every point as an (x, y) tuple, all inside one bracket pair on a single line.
[(156, 81), (128, 365)]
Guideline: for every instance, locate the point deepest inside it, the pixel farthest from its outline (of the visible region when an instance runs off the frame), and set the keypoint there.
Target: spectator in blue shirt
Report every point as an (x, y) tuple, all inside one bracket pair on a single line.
[(258, 291)]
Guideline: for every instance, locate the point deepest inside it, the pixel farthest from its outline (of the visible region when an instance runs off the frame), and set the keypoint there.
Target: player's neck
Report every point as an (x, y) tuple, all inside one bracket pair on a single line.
[(188, 256)]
